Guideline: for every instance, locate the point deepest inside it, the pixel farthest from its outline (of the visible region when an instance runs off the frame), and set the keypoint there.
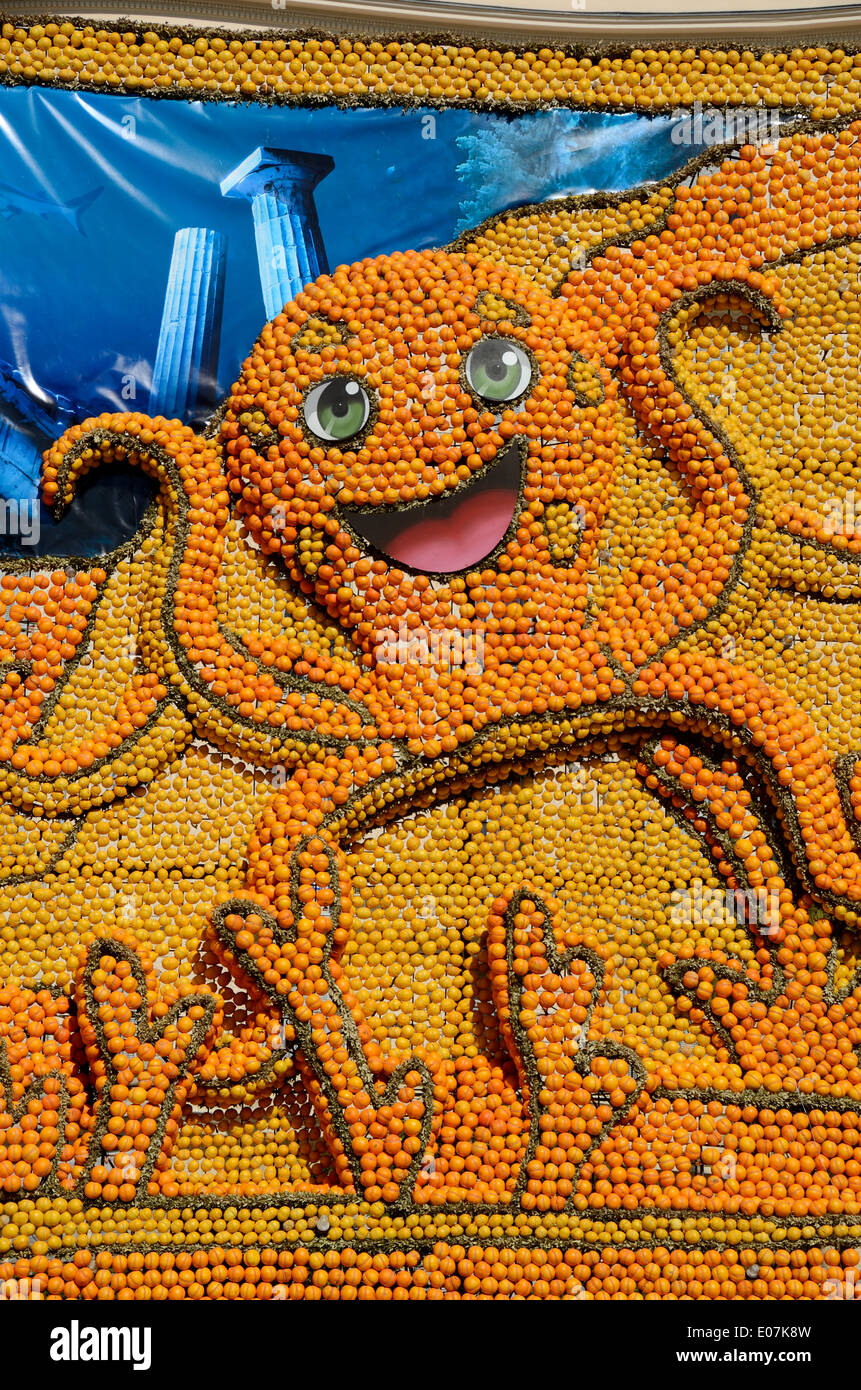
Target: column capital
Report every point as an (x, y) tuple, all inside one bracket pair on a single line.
[(265, 168)]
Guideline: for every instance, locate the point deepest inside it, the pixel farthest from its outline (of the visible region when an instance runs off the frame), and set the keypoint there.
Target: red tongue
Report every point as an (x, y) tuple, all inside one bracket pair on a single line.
[(471, 530), (448, 533)]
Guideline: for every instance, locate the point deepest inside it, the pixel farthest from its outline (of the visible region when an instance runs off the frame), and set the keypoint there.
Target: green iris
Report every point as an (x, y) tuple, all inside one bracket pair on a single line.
[(498, 369), (337, 409)]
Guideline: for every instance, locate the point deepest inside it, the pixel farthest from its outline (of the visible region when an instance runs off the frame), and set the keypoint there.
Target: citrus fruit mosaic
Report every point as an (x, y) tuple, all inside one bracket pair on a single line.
[(431, 847)]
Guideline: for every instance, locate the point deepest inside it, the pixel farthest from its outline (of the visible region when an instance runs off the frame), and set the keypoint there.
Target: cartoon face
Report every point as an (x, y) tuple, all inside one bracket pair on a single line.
[(428, 441)]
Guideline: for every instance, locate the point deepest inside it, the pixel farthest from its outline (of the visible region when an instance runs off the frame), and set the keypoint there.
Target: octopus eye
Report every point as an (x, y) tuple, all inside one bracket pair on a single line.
[(498, 369), (336, 410)]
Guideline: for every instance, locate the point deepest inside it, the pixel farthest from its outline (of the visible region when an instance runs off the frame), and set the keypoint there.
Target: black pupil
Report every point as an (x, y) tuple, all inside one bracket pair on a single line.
[(335, 398), (495, 367)]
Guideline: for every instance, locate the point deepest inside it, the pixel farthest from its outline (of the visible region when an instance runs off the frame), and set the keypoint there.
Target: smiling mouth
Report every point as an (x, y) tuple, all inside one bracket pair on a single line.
[(446, 534)]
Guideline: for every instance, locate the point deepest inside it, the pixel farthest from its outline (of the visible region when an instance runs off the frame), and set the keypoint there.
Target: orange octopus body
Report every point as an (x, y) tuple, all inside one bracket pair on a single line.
[(344, 513)]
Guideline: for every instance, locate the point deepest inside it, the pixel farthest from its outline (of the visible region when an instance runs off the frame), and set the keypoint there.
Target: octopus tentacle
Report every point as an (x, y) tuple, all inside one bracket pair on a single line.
[(184, 635), (709, 695)]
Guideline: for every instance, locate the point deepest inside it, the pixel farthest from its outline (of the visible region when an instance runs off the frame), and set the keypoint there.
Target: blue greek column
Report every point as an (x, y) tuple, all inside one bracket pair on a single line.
[(186, 362), (280, 185)]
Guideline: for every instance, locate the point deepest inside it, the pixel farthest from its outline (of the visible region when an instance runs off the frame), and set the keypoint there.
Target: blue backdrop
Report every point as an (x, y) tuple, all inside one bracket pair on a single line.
[(94, 188)]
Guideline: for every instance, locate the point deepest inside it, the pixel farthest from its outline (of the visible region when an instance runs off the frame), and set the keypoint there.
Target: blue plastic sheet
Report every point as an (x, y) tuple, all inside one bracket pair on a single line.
[(123, 222)]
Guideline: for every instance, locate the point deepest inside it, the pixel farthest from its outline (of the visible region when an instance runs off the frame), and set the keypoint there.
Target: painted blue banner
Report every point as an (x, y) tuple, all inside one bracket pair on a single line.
[(143, 244)]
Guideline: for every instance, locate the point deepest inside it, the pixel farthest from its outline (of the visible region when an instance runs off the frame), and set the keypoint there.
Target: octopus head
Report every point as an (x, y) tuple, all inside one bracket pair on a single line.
[(427, 441)]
